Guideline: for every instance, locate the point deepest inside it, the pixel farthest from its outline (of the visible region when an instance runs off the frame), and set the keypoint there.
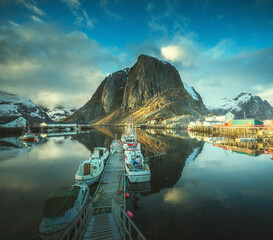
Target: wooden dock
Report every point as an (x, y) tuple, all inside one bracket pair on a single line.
[(105, 217), (111, 187), (258, 132)]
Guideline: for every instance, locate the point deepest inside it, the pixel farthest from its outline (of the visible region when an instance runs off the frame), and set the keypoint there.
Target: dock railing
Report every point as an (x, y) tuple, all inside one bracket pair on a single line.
[(78, 228), (127, 228)]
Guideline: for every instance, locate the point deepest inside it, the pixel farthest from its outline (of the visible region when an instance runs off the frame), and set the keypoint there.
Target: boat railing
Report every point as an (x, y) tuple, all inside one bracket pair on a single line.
[(127, 228), (78, 227)]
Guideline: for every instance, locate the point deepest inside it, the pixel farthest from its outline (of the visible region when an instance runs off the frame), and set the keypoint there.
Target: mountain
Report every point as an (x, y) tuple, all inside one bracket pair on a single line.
[(12, 105), (149, 90), (252, 106), (58, 113)]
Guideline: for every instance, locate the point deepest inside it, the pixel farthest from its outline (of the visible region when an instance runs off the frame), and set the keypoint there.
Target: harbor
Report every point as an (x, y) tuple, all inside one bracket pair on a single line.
[(168, 200), (101, 215)]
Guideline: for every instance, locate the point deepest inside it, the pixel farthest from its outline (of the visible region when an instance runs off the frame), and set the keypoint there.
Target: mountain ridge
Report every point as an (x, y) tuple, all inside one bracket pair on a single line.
[(12, 105), (253, 106), (151, 87)]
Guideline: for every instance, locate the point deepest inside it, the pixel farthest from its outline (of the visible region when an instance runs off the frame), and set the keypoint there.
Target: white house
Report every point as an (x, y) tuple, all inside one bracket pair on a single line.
[(225, 118), (13, 122), (229, 116)]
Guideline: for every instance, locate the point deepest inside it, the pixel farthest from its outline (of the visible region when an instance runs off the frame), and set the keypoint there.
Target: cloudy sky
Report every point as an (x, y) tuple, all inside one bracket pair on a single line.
[(58, 51)]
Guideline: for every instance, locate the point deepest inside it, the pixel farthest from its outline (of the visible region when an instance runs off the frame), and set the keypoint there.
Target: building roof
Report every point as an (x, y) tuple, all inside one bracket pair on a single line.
[(5, 120)]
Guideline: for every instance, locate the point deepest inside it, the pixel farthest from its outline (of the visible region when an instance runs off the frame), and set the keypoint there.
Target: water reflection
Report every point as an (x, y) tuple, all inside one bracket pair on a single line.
[(248, 148), (196, 190), (28, 177), (212, 192)]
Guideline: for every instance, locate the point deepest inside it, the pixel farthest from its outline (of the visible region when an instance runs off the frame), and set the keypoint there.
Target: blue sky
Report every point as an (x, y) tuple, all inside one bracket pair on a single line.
[(57, 52)]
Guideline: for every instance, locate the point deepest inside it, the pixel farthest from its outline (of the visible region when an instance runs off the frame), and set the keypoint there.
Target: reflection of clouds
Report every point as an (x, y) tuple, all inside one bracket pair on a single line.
[(51, 150), (173, 196), (11, 181), (227, 179)]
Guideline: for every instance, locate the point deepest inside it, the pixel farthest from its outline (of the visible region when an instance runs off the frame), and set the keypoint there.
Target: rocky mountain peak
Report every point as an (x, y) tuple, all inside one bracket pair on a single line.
[(245, 103), (148, 78), (150, 89), (12, 105)]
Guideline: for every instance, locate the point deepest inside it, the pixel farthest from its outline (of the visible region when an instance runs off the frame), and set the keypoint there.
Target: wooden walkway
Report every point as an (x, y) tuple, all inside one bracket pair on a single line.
[(102, 224)]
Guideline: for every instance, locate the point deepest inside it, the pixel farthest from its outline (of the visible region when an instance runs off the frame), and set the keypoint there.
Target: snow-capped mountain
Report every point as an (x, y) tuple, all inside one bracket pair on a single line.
[(195, 95), (12, 105), (252, 106), (60, 112)]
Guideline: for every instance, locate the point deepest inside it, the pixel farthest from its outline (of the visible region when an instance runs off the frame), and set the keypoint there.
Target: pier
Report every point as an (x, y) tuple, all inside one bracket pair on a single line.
[(104, 217), (259, 132)]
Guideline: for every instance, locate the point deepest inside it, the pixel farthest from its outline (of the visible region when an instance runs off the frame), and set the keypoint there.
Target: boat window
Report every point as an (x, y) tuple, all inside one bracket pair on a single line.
[(87, 169)]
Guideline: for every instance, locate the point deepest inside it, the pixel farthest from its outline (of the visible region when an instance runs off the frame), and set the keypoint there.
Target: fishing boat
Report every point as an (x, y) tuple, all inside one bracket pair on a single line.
[(28, 137), (89, 171), (129, 137), (61, 209), (99, 153), (136, 168)]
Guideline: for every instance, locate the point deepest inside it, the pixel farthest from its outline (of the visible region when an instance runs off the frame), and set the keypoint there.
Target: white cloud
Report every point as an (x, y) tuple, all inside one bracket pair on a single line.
[(51, 67), (81, 17), (177, 53), (105, 5), (31, 5), (221, 70), (72, 4), (36, 19)]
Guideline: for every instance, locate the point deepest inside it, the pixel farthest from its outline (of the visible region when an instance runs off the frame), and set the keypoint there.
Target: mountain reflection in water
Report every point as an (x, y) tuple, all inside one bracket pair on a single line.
[(196, 190)]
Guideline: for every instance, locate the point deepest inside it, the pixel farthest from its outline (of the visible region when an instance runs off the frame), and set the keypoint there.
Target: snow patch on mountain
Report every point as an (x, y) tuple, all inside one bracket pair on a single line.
[(12, 105), (59, 113), (244, 103), (191, 91)]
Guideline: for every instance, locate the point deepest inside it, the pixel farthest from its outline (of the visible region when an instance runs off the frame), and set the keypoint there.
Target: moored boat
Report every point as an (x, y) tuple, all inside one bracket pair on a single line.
[(61, 209), (136, 168), (28, 137), (100, 153), (89, 171)]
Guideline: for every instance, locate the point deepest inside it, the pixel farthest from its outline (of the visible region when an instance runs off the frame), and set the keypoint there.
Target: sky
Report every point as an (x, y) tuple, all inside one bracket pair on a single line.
[(57, 52)]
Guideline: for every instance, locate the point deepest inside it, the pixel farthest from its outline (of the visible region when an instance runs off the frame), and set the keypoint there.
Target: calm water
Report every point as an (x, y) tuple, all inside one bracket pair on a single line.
[(196, 190)]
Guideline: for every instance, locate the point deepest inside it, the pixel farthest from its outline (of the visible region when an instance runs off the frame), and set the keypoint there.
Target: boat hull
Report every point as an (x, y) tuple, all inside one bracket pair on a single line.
[(54, 236), (139, 178), (28, 139), (53, 228), (88, 181)]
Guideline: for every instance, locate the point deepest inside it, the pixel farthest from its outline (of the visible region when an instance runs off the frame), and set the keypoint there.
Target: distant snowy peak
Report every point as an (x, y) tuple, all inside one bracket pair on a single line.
[(244, 103), (191, 91), (12, 105), (59, 113)]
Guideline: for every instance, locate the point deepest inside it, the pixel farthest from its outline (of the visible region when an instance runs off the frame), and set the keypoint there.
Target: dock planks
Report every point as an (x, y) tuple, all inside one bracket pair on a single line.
[(102, 225)]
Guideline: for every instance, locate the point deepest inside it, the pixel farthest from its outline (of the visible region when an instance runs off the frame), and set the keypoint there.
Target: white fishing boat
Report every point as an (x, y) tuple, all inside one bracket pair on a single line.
[(61, 209), (129, 137), (100, 153), (136, 168), (28, 136), (89, 171)]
